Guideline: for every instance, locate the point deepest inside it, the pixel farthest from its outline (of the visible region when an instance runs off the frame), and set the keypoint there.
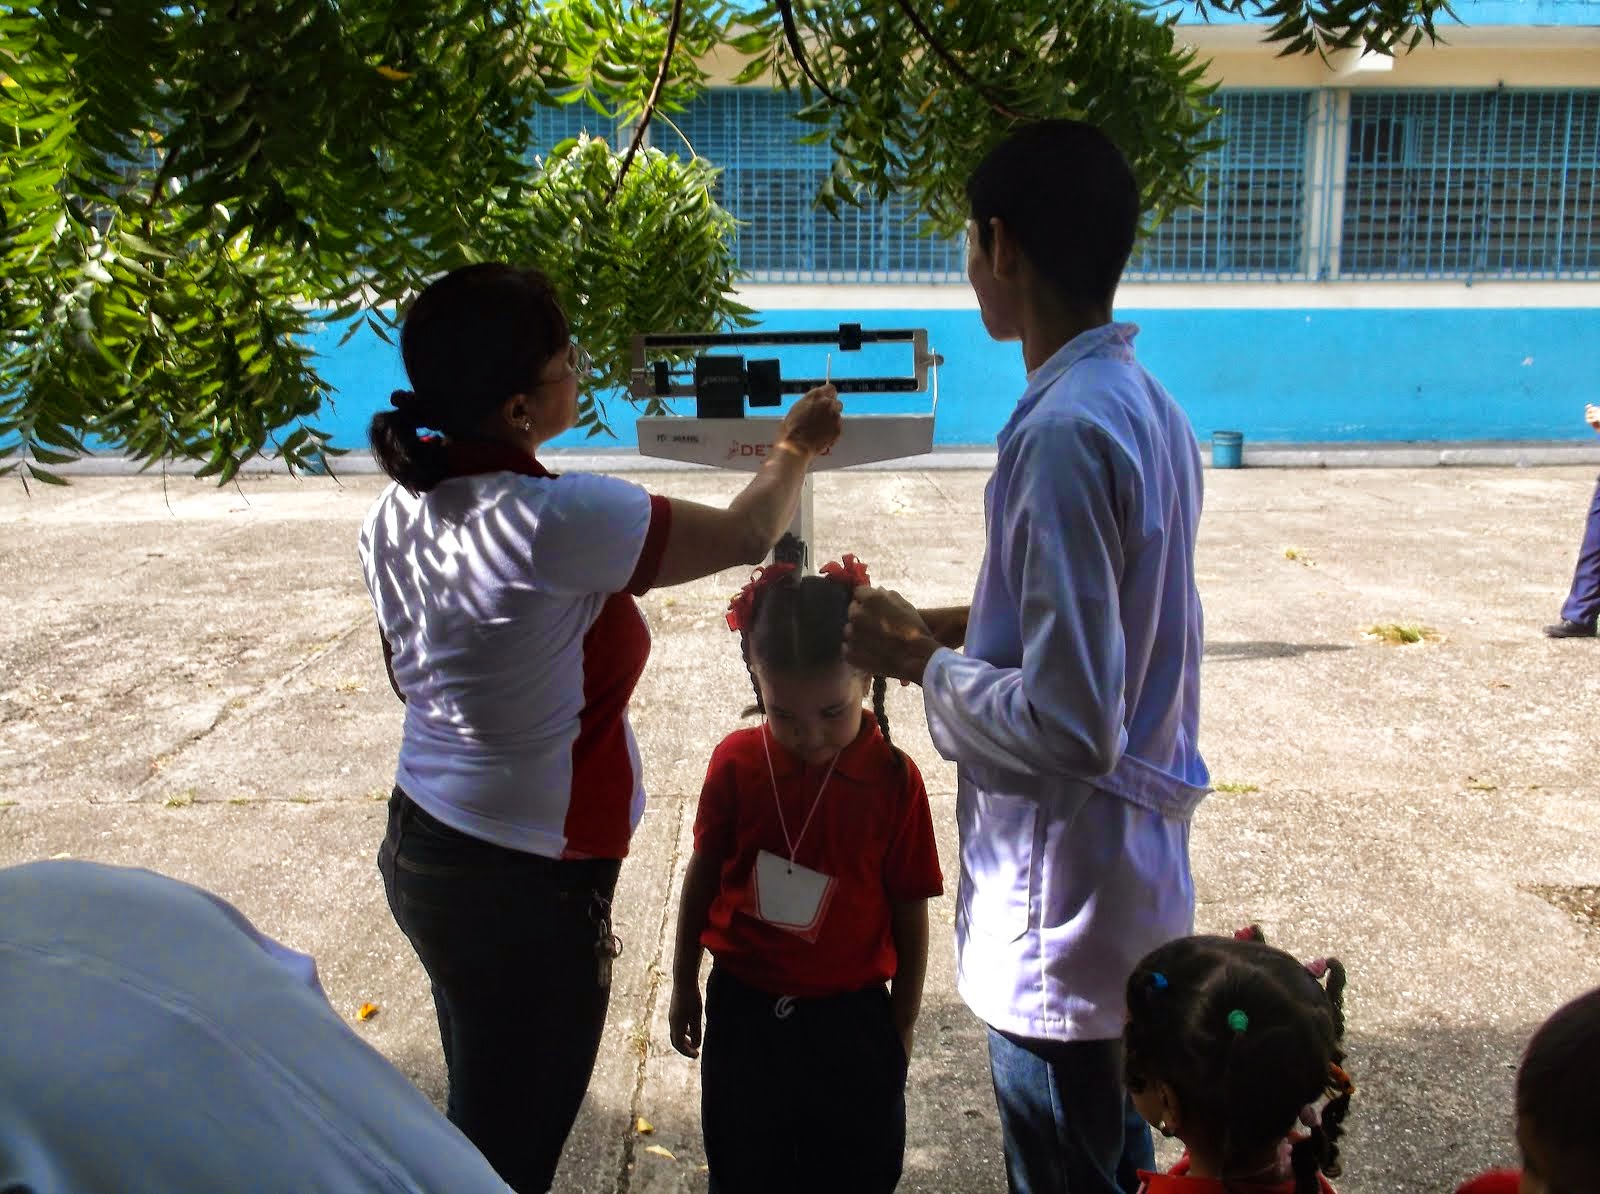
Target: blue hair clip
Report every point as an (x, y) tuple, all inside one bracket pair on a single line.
[(1158, 981)]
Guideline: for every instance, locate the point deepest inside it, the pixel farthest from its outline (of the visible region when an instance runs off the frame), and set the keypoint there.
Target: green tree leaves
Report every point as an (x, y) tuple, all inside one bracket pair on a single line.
[(187, 188)]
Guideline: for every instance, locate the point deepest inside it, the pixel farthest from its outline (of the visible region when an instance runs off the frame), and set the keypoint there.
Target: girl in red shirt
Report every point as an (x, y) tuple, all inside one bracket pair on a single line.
[(1232, 1046), (814, 861)]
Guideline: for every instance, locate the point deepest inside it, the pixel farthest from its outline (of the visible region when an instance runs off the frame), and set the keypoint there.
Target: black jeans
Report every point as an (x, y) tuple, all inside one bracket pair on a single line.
[(801, 1095), (518, 949)]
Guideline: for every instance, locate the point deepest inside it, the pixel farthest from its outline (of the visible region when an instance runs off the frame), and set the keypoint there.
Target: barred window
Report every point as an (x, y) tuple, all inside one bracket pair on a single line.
[(1448, 184), (1251, 221), (769, 183), (553, 124)]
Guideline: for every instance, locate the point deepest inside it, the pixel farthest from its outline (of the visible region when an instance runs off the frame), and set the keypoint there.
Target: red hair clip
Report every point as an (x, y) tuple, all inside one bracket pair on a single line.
[(849, 571), (741, 610)]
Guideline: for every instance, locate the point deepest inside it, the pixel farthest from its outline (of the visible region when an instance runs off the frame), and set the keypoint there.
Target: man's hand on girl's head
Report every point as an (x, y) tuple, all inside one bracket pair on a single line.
[(887, 637)]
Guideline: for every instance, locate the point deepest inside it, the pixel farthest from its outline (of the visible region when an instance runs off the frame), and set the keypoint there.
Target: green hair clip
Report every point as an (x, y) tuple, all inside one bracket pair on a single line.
[(1237, 1020)]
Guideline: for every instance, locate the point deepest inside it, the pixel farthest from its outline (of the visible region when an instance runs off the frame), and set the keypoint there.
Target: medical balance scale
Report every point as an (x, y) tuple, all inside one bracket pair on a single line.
[(720, 434)]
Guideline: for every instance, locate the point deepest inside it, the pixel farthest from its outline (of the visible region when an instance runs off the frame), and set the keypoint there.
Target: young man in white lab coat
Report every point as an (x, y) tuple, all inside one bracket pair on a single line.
[(1073, 713)]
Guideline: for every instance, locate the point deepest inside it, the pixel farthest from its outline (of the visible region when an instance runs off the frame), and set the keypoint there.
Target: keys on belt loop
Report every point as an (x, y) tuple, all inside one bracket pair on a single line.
[(607, 945)]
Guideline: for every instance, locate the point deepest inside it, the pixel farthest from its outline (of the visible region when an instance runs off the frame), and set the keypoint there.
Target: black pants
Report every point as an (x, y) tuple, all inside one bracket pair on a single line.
[(513, 944), (801, 1094)]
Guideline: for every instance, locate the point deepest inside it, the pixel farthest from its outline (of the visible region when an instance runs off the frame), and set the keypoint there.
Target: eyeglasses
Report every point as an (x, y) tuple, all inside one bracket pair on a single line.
[(579, 363)]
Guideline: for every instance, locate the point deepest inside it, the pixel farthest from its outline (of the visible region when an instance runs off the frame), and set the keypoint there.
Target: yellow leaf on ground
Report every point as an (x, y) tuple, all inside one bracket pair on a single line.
[(366, 1011), (644, 1127), (393, 75), (659, 1151)]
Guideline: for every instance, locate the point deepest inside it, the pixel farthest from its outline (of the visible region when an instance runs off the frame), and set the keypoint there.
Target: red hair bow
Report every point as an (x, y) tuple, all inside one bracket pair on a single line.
[(850, 571), (743, 606)]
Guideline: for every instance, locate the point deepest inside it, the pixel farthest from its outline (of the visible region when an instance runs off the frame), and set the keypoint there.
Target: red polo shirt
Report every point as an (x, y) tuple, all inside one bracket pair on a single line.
[(872, 832), (1177, 1181), (1496, 1181)]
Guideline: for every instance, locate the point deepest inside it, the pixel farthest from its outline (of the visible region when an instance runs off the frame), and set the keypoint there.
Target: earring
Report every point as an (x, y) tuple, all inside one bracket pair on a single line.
[(1164, 1130), (527, 425)]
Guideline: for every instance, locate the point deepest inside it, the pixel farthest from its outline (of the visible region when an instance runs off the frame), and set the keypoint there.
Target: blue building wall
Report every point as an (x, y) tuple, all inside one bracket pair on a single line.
[(1470, 12), (1278, 375)]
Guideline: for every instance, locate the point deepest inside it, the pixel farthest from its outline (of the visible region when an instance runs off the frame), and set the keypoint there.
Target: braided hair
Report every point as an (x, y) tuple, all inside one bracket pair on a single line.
[(797, 623), (1249, 1040)]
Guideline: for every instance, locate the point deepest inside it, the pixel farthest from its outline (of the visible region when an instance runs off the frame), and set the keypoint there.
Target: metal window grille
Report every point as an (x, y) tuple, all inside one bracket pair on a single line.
[(768, 182), (1251, 221), (1451, 184), (553, 124)]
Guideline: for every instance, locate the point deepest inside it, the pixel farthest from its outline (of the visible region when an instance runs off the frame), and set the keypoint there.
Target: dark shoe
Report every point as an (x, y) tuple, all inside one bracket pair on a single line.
[(1566, 629)]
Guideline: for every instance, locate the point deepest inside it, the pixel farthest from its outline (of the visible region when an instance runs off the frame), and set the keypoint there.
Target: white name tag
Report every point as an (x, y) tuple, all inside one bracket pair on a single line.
[(791, 896)]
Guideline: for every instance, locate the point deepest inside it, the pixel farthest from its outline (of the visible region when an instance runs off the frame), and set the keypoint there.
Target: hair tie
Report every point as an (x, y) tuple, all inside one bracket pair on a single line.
[(849, 571), (410, 407), (741, 610), (1238, 1021), (1158, 981)]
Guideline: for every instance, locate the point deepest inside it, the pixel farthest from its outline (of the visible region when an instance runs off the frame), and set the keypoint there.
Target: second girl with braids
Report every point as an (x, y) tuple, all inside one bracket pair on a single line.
[(814, 861), (1235, 1048)]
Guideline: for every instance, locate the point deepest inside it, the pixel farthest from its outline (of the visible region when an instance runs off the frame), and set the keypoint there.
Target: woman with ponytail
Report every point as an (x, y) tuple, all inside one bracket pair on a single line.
[(505, 600)]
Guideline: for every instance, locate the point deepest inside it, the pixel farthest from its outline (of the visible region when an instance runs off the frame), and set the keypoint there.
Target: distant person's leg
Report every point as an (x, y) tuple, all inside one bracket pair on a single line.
[(1582, 609)]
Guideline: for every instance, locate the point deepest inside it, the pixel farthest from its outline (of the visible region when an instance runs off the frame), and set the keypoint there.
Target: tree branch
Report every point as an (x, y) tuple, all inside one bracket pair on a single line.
[(944, 56), (791, 34), (643, 123)]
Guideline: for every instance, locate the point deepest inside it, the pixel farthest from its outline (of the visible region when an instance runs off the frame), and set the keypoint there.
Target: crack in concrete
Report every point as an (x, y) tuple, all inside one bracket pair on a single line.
[(655, 970), (246, 705), (950, 502)]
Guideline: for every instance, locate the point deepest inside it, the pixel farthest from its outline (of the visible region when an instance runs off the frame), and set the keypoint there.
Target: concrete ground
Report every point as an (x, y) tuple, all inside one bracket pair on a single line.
[(190, 681)]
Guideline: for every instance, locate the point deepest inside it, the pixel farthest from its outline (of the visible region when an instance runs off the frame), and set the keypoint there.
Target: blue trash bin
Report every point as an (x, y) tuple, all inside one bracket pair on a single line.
[(1227, 449)]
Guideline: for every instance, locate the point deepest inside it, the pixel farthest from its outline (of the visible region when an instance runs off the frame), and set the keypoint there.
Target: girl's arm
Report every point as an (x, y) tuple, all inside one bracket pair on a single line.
[(909, 927), (686, 1011)]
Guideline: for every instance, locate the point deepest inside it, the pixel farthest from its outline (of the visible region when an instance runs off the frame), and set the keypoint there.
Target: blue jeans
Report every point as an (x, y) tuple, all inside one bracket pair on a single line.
[(1583, 602), (518, 949), (1067, 1122)]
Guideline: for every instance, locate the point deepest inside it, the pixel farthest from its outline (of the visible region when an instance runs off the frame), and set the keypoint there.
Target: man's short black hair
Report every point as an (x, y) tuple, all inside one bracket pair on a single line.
[(1068, 196)]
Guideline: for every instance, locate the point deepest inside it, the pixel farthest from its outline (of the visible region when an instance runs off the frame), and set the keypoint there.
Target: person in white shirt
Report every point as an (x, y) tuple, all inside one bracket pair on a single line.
[(1073, 714), (505, 599), (155, 1042)]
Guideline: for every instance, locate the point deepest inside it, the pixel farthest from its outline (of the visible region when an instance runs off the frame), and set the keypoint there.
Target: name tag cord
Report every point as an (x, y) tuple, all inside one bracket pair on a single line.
[(794, 844)]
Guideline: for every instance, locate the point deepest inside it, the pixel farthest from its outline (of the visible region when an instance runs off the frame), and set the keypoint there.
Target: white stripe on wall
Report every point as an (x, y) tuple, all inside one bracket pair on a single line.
[(1196, 295)]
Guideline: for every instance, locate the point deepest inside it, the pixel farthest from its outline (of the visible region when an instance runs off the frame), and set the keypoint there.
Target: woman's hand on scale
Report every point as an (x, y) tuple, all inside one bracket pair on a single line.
[(812, 425)]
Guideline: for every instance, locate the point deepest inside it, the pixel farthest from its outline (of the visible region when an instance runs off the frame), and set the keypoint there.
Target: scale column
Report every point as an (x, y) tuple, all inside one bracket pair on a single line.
[(804, 524)]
